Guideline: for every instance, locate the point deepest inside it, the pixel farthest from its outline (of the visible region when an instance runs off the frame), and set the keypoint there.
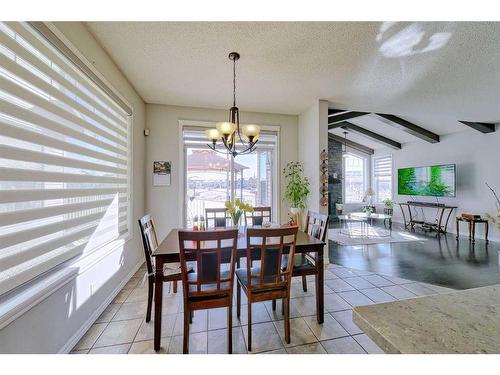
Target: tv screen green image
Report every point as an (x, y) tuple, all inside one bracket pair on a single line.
[(435, 180)]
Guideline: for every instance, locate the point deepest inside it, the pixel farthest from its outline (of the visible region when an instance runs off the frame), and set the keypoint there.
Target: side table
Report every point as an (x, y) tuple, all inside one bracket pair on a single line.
[(472, 228)]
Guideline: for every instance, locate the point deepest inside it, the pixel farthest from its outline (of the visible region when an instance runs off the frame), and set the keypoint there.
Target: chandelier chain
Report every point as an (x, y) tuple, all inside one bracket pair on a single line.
[(234, 83)]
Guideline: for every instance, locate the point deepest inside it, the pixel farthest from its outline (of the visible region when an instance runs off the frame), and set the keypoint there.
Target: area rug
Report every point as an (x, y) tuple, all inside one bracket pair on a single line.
[(374, 236)]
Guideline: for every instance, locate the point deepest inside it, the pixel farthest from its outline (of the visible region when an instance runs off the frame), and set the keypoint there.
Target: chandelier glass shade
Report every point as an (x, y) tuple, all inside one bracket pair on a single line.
[(236, 139)]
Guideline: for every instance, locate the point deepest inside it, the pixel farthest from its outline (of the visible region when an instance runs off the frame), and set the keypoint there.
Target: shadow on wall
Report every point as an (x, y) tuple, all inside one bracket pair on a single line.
[(55, 320)]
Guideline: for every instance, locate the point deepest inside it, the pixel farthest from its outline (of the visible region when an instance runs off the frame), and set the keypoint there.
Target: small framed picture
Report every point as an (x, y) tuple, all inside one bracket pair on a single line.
[(161, 173)]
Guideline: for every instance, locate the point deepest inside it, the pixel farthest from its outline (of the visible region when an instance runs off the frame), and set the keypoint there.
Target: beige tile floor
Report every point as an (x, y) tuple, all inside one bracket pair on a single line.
[(122, 328)]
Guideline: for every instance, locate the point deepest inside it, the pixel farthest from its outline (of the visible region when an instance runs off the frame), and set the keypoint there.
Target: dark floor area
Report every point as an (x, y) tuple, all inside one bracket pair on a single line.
[(438, 260)]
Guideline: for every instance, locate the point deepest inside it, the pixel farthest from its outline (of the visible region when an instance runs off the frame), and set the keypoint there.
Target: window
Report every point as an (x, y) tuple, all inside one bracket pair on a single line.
[(64, 160), (354, 178), (382, 178), (212, 178)]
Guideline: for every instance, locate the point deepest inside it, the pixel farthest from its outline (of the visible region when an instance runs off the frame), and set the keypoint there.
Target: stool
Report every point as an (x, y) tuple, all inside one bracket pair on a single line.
[(472, 228)]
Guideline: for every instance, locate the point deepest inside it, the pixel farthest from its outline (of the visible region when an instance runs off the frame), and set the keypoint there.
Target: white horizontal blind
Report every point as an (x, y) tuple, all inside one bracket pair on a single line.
[(382, 177), (64, 160)]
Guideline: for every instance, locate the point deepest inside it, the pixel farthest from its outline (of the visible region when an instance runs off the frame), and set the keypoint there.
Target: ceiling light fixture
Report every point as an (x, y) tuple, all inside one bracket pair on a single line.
[(229, 133)]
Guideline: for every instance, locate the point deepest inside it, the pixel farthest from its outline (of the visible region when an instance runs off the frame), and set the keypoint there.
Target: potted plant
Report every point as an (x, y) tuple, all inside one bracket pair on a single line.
[(297, 187), (388, 203), (368, 210), (236, 209)]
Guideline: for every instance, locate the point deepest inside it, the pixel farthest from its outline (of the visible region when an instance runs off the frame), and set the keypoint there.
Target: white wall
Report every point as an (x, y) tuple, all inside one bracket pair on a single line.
[(163, 143), (56, 322), (313, 138), (477, 158)]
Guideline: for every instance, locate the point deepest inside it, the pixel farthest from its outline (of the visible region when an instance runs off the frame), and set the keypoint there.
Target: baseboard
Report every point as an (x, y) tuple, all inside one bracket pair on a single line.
[(70, 344)]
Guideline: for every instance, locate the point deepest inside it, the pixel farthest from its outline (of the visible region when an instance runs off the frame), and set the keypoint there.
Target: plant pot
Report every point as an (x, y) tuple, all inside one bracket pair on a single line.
[(295, 210)]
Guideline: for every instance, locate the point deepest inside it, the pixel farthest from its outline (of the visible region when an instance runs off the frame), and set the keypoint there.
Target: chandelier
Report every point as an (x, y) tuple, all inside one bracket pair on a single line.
[(236, 140)]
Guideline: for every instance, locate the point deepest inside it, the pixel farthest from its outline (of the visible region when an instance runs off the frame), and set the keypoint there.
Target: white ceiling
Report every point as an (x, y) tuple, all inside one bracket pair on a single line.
[(432, 74)]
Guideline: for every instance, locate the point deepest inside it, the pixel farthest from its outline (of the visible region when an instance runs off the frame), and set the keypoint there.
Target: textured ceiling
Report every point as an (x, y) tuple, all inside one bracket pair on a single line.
[(432, 74)]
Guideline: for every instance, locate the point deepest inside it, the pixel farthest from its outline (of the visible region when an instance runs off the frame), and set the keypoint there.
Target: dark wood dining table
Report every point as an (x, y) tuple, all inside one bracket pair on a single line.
[(168, 252)]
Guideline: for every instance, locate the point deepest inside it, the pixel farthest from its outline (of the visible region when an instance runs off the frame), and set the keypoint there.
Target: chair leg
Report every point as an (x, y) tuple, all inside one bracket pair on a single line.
[(191, 315), (282, 305), (230, 328), (287, 320), (175, 286), (304, 283), (150, 299), (249, 326), (274, 305), (185, 338), (238, 300)]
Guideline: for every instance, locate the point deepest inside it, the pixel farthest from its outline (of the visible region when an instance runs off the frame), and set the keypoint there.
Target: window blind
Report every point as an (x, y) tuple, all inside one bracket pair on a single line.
[(382, 177), (64, 159)]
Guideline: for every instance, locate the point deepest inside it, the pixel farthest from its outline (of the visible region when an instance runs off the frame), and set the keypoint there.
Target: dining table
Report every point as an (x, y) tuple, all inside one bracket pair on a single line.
[(168, 252)]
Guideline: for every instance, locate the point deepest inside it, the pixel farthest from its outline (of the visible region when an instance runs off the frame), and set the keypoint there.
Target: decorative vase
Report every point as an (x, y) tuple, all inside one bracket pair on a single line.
[(236, 218), (294, 210)]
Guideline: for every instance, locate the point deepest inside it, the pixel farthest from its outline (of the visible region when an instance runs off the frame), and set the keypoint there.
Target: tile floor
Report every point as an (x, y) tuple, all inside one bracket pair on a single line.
[(122, 329), (437, 260)]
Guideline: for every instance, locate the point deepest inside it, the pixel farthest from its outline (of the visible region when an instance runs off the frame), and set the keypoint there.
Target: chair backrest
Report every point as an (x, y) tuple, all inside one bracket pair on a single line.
[(316, 225), (271, 243), (258, 216), (149, 240), (210, 251), (216, 217)]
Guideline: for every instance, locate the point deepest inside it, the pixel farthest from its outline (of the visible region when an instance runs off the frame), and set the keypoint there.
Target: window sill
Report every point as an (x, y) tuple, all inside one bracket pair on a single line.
[(19, 301)]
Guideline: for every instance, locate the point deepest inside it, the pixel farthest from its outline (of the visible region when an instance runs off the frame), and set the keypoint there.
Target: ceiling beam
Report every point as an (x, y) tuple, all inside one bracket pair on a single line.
[(374, 136), (483, 127), (409, 128), (335, 118), (351, 144), (332, 111)]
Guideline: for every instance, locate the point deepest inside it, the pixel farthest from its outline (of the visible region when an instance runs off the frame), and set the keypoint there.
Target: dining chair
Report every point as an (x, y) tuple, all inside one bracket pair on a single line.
[(388, 211), (270, 280), (211, 285), (216, 217), (305, 264), (259, 216), (171, 271)]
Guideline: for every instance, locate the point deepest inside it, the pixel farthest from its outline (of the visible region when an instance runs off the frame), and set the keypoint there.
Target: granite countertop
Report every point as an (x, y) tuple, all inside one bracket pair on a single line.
[(465, 321)]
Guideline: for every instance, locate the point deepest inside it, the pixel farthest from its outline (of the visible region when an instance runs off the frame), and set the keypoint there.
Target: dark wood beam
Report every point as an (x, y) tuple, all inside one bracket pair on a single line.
[(409, 128), (335, 118), (332, 111), (351, 144), (483, 127), (374, 136)]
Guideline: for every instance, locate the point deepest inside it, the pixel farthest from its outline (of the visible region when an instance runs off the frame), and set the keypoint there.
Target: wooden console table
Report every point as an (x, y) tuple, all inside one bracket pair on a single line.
[(439, 227), (472, 228)]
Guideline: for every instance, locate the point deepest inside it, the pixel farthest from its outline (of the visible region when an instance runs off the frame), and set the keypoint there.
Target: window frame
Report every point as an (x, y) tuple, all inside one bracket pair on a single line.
[(374, 179), (366, 174), (276, 211)]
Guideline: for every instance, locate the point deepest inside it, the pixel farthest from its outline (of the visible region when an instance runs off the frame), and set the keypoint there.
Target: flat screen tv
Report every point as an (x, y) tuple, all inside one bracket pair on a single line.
[(434, 180)]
